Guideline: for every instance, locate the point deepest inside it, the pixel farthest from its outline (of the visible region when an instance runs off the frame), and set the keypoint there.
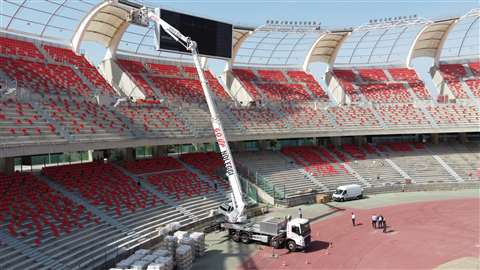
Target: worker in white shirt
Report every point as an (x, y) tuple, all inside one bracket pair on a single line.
[(353, 219), (374, 221)]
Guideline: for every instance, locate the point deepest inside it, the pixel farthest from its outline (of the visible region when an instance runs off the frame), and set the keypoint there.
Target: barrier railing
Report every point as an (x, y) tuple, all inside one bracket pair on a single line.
[(276, 191)]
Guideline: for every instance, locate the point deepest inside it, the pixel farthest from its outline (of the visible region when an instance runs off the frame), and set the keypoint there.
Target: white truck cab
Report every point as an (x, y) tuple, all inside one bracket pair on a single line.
[(298, 234), (348, 192)]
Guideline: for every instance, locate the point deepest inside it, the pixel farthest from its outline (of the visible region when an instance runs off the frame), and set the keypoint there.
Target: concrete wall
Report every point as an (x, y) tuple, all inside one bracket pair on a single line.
[(120, 79), (440, 84), (336, 91), (7, 165), (237, 91)]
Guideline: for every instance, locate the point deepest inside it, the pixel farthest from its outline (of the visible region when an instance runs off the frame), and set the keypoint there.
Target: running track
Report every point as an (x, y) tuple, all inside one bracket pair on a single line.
[(420, 236)]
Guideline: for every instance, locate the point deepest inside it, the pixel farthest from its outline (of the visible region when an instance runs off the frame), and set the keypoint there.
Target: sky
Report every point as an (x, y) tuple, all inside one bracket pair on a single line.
[(340, 13)]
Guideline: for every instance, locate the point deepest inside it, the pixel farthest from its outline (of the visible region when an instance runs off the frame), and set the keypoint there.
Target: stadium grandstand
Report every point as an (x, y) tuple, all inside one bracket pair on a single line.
[(97, 156)]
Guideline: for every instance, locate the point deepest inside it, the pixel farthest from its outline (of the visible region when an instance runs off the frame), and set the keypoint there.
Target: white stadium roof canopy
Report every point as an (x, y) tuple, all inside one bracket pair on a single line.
[(277, 44)]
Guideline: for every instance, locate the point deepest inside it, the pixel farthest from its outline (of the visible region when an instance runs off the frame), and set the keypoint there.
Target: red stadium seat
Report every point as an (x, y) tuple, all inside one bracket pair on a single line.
[(34, 209)]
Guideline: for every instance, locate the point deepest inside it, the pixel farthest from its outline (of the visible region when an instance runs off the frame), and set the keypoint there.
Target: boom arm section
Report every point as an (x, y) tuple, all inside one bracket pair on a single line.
[(234, 213)]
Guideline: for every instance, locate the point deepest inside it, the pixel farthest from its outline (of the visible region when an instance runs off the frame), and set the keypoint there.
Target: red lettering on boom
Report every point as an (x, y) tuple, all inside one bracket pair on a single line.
[(219, 135)]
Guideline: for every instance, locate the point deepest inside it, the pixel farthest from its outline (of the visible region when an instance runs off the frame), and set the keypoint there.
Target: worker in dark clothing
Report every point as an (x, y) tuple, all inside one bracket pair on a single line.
[(384, 225), (379, 222)]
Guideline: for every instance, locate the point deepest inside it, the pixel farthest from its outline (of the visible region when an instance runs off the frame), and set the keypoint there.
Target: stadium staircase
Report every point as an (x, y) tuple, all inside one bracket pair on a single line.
[(322, 166), (429, 117), (32, 253), (418, 163), (459, 159), (22, 124), (79, 200), (379, 119), (448, 168), (372, 166), (346, 164), (321, 186), (152, 189), (11, 258), (470, 94), (282, 176), (203, 177), (36, 105), (196, 197)]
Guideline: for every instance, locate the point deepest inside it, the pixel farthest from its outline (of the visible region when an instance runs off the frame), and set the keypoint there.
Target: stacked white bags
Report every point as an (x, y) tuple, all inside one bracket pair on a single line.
[(137, 256), (173, 226), (187, 241), (161, 253), (169, 244), (162, 263), (181, 234), (179, 249), (140, 265), (199, 243), (184, 257)]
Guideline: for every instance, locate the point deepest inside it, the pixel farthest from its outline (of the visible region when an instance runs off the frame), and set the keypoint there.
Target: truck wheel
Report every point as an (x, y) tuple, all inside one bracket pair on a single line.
[(236, 237), (291, 246), (244, 238)]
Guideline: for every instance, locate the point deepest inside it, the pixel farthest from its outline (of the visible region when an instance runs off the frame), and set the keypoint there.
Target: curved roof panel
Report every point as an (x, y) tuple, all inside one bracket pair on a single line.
[(326, 47), (385, 43), (430, 40), (268, 46), (48, 19), (463, 40)]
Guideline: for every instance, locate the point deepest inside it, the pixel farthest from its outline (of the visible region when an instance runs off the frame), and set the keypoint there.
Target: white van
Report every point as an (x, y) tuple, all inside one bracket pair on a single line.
[(348, 192)]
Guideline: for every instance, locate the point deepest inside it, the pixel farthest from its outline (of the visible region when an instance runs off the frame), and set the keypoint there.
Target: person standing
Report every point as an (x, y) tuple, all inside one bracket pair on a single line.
[(379, 222), (374, 221), (384, 225), (353, 219), (300, 215)]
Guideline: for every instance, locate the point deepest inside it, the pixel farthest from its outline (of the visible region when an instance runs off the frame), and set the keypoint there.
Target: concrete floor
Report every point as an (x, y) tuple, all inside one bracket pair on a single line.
[(223, 253)]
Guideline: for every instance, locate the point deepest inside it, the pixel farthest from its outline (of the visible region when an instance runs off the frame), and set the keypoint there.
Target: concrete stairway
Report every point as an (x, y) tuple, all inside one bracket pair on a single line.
[(79, 200), (153, 190), (43, 259)]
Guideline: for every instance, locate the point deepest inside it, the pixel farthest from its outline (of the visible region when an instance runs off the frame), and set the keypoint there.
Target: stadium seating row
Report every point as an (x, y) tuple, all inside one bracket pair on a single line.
[(174, 82), (52, 72), (382, 85), (455, 74), (273, 85)]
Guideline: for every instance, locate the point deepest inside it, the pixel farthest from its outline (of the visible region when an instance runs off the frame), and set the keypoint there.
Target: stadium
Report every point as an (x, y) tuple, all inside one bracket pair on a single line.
[(134, 136)]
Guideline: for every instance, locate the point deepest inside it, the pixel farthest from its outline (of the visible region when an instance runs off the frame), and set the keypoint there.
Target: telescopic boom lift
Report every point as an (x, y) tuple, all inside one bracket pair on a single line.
[(233, 212), (276, 232)]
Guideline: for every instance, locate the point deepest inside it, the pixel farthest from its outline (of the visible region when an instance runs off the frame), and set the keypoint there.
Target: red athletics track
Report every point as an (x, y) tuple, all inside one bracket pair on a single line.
[(420, 236)]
